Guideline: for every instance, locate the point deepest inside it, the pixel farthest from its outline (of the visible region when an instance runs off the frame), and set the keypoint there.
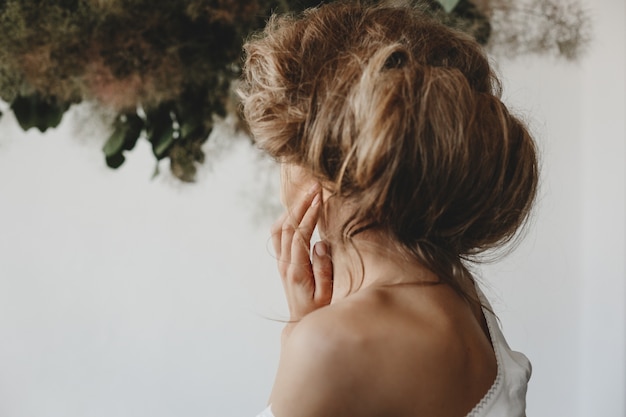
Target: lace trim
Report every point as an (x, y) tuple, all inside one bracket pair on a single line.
[(488, 397)]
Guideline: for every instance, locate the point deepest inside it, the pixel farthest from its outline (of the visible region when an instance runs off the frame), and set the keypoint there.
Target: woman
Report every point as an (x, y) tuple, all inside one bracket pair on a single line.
[(394, 143)]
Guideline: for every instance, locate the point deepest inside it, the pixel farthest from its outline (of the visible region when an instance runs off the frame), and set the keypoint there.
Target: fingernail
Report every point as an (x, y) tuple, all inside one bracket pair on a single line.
[(315, 188), (316, 200), (321, 249)]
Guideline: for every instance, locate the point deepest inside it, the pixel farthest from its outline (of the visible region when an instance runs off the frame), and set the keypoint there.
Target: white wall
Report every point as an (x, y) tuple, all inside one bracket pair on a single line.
[(562, 295), (603, 207), (121, 296), (537, 288)]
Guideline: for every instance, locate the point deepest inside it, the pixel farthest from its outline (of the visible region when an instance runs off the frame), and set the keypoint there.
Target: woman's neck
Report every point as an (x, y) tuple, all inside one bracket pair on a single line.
[(371, 259)]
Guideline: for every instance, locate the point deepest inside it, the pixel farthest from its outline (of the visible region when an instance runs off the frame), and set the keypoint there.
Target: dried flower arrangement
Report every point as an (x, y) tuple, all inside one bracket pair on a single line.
[(166, 68)]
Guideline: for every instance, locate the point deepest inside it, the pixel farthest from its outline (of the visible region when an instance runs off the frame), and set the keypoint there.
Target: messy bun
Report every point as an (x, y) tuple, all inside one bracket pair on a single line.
[(392, 109)]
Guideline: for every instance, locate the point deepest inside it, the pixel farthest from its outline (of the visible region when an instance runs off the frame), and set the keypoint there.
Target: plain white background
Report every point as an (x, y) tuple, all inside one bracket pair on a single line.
[(124, 296)]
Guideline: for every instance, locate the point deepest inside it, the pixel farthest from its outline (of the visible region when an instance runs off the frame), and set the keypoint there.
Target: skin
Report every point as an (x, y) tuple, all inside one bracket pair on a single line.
[(391, 342)]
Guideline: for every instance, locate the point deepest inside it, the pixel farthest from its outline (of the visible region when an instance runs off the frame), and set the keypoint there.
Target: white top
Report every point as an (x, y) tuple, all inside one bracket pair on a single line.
[(507, 395)]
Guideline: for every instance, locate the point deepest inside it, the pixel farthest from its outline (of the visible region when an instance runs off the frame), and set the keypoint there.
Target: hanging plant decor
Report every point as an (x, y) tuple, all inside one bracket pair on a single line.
[(166, 68)]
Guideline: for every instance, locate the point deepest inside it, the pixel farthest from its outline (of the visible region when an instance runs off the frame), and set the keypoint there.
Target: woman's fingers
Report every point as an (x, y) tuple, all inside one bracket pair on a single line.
[(299, 218), (308, 284), (301, 245), (299, 210), (322, 273), (276, 232)]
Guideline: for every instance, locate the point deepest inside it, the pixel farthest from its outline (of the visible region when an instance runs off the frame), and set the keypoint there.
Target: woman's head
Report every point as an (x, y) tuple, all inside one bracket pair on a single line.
[(395, 112)]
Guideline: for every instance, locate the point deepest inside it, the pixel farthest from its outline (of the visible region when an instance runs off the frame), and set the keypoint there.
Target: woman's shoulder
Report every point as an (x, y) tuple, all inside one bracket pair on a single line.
[(347, 358), (344, 333), (326, 366), (321, 370), (376, 319)]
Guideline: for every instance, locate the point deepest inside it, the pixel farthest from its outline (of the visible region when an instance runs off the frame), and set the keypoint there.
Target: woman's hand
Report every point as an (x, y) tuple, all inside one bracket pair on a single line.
[(308, 282)]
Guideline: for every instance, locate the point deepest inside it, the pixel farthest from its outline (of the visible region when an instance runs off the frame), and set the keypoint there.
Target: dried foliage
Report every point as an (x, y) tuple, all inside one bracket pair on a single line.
[(172, 60), (512, 28), (166, 67), (95, 49), (560, 28)]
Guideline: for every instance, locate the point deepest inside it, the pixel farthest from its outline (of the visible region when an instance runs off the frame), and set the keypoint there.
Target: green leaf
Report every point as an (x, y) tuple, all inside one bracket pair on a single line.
[(160, 129), (49, 116), (135, 125), (37, 111), (128, 128), (115, 144), (448, 5), (24, 112), (190, 126), (190, 117), (115, 161), (162, 142)]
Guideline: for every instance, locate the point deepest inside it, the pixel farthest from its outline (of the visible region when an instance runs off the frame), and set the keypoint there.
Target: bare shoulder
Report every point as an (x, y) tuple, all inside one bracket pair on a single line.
[(323, 368), (373, 354)]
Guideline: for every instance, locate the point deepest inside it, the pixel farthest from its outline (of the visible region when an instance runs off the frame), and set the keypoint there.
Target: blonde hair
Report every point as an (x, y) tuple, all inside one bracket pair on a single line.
[(389, 108)]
